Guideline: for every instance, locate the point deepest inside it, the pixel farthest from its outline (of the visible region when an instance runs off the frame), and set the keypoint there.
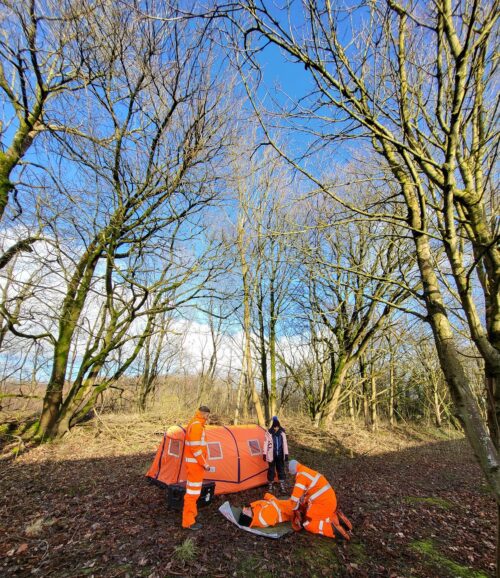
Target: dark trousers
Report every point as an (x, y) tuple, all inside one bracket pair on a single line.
[(277, 464)]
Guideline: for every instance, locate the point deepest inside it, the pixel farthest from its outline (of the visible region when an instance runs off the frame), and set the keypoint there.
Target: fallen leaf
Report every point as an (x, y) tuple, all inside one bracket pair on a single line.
[(22, 548)]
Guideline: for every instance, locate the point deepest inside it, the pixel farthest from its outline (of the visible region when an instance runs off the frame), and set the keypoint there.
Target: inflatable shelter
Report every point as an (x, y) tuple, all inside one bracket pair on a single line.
[(235, 451)]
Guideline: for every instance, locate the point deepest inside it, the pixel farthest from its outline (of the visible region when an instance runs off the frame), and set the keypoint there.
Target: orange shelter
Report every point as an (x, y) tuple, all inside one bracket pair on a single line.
[(235, 452)]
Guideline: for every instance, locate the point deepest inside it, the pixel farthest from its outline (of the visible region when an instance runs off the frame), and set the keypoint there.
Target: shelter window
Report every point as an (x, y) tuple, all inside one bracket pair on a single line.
[(214, 451), (174, 447), (254, 447)]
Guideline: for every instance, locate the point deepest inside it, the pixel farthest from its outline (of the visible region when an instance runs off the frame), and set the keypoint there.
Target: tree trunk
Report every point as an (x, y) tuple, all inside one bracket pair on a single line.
[(436, 402), (331, 409), (272, 349), (364, 385), (247, 328), (246, 400), (201, 389), (498, 541), (373, 404), (152, 361), (338, 374), (351, 407), (263, 358), (53, 399), (252, 390), (456, 378), (74, 300), (239, 391), (63, 424), (21, 142), (391, 392)]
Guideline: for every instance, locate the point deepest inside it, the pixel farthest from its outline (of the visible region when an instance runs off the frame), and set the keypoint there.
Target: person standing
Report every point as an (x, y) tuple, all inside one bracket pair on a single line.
[(276, 453), (195, 453)]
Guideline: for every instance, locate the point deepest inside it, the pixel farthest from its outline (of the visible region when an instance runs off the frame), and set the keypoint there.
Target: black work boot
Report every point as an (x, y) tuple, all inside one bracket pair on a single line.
[(195, 526), (270, 487)]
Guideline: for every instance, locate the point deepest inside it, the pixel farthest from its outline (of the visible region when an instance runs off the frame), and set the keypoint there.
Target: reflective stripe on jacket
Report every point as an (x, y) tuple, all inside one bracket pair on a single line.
[(270, 511), (195, 451), (311, 487)]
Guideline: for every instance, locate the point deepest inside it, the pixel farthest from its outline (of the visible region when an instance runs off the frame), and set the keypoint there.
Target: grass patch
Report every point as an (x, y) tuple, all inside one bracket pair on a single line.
[(323, 556), (427, 549), (73, 491), (250, 567), (187, 551), (439, 502), (484, 488), (357, 552), (318, 559), (37, 527), (5, 428)]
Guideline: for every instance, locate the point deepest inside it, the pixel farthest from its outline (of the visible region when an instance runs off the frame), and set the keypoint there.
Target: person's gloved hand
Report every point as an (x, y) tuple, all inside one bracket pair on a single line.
[(264, 458), (286, 458)]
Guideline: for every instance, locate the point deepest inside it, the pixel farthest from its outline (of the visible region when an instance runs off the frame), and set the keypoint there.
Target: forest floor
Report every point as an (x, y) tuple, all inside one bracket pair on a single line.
[(82, 507)]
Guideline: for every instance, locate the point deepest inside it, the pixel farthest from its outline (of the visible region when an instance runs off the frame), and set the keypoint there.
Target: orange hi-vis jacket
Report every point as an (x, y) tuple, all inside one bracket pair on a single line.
[(270, 511), (313, 492), (195, 451), (315, 506), (312, 488)]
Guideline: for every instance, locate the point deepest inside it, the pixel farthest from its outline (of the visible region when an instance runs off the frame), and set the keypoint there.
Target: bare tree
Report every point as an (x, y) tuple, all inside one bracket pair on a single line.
[(265, 200), (354, 276), (272, 221), (146, 165), (248, 286), (40, 68), (216, 316), (416, 83)]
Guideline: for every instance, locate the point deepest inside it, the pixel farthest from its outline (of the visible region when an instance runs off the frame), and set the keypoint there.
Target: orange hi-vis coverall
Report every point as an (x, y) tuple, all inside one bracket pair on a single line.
[(314, 493), (195, 452), (270, 511)]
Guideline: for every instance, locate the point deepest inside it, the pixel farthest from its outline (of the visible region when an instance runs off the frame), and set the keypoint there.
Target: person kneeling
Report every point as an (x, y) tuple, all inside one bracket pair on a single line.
[(315, 504)]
